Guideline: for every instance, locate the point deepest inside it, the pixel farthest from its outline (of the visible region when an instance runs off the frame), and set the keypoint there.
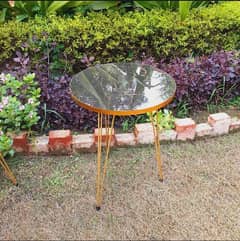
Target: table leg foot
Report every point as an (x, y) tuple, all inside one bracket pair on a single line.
[(98, 208)]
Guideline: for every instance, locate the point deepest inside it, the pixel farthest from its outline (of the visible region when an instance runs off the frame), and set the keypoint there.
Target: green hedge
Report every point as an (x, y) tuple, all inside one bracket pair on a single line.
[(113, 37)]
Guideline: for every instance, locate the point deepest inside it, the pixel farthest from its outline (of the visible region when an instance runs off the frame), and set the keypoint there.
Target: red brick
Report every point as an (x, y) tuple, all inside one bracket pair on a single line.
[(83, 143), (168, 135), (20, 142), (125, 139), (105, 136), (203, 129), (39, 145), (235, 124), (60, 141), (186, 128), (144, 133), (220, 123)]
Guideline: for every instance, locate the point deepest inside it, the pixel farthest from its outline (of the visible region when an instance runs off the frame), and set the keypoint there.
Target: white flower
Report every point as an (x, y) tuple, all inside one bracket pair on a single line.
[(5, 101), (1, 133), (30, 101), (30, 114), (21, 107), (3, 77)]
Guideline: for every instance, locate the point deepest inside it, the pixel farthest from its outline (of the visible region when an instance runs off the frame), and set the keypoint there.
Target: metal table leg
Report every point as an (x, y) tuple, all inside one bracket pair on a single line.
[(7, 170), (101, 172), (155, 124)]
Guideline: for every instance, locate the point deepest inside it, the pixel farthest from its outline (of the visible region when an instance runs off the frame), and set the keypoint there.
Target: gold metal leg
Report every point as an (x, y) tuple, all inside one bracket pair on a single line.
[(101, 172), (154, 120), (7, 170)]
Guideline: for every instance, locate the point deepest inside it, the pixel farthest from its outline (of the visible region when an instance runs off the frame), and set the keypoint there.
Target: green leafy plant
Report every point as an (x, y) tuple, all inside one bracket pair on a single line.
[(22, 10), (127, 36), (219, 96), (182, 109), (6, 145), (234, 102), (19, 101), (129, 123), (165, 119)]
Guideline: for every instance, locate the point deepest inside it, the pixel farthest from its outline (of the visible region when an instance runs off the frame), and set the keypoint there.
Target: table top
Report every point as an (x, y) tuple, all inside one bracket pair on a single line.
[(122, 88)]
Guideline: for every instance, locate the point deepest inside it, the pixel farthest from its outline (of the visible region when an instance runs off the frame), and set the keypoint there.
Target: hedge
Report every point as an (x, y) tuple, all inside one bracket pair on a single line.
[(111, 37)]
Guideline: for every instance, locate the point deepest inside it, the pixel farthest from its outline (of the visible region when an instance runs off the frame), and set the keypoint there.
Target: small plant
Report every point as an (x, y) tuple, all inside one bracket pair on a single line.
[(182, 109), (234, 102), (19, 101), (6, 145), (165, 119), (130, 122)]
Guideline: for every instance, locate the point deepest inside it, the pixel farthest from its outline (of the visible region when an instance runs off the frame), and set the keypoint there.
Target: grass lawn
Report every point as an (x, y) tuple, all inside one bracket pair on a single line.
[(199, 198)]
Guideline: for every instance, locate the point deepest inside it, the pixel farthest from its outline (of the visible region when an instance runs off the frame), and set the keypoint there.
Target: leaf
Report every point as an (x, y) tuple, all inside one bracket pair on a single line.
[(3, 13), (184, 8), (99, 5)]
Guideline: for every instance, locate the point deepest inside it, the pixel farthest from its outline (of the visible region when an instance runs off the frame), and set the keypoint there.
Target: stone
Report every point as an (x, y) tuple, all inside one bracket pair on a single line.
[(203, 129), (39, 145), (220, 123), (235, 124), (125, 139), (168, 135), (83, 143), (60, 141), (144, 133), (185, 128)]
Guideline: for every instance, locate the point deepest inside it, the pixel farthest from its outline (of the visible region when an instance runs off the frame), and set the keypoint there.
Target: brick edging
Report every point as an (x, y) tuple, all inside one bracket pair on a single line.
[(63, 142)]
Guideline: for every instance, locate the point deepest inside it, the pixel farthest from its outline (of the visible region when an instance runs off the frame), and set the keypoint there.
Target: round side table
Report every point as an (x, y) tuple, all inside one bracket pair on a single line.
[(121, 89)]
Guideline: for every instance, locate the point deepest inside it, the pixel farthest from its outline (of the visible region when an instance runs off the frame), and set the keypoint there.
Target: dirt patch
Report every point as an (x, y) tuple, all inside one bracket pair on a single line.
[(199, 198)]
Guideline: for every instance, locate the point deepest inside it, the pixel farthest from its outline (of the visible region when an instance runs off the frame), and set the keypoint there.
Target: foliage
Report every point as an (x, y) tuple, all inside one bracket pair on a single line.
[(18, 103), (234, 102), (22, 10), (112, 37), (19, 100), (205, 80), (128, 123), (165, 119), (6, 145)]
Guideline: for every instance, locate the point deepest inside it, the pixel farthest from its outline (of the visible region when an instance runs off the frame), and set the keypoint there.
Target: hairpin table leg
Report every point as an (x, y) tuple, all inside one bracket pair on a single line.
[(155, 124), (7, 170), (101, 172)]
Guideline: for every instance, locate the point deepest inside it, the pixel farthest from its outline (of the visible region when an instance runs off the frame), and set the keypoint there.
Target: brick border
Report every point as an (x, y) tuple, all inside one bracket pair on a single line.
[(63, 142)]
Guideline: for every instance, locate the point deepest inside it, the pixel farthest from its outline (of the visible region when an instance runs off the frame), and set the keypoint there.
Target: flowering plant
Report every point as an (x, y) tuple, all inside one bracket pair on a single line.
[(19, 101)]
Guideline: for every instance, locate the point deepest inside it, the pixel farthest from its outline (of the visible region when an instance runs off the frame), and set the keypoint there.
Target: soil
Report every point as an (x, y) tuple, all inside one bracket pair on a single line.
[(199, 198)]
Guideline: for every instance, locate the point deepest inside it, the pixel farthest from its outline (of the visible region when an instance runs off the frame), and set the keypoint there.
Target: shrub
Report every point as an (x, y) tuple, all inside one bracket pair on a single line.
[(111, 37), (19, 101), (209, 79)]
